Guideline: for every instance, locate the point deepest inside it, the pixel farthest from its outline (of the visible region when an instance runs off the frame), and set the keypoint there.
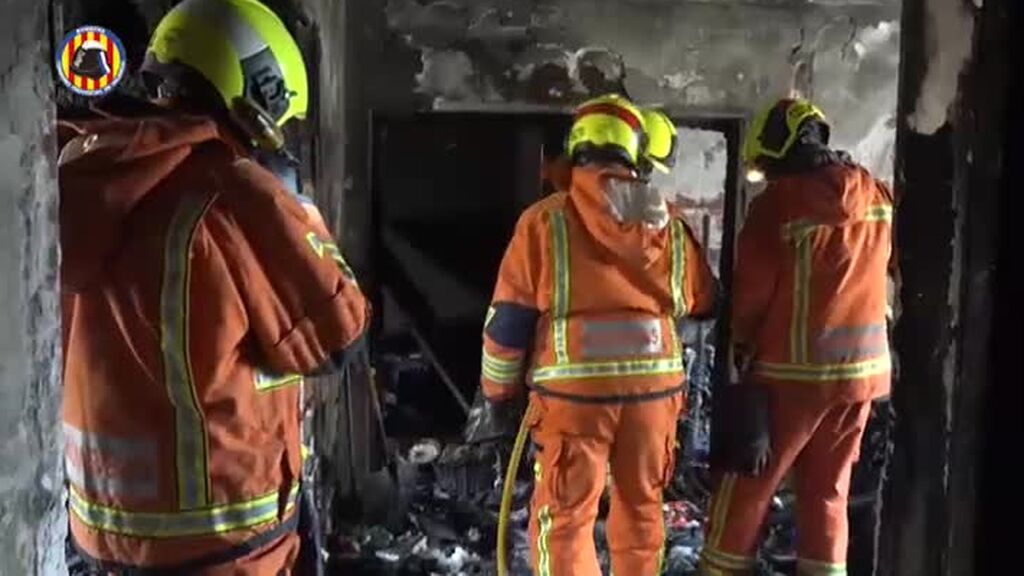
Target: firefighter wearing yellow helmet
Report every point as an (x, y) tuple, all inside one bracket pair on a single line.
[(662, 141), (583, 324), (777, 129), (240, 49), (607, 129), (211, 293), (811, 263)]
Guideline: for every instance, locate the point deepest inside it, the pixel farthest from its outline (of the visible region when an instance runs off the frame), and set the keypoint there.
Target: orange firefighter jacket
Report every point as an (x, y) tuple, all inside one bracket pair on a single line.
[(196, 293), (586, 308), (809, 294)]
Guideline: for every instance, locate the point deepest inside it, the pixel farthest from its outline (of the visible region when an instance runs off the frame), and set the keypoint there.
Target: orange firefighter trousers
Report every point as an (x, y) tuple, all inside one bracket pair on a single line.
[(577, 444), (819, 438)]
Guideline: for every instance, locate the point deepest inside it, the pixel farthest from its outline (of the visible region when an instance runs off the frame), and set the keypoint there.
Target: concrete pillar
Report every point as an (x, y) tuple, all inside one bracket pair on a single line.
[(32, 521)]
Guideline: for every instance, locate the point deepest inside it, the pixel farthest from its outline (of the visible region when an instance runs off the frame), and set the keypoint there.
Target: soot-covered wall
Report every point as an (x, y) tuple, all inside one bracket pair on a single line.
[(706, 55)]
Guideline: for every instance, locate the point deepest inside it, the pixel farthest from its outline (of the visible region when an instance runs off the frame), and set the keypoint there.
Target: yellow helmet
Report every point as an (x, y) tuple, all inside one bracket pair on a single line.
[(607, 128), (662, 139), (241, 48), (776, 128)]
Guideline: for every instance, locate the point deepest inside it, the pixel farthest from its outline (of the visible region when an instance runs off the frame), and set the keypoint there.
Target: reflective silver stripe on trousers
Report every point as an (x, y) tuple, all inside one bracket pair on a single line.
[(189, 424)]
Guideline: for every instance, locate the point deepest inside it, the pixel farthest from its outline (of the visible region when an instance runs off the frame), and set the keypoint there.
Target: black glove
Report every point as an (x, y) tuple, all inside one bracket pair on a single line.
[(493, 421), (740, 438)]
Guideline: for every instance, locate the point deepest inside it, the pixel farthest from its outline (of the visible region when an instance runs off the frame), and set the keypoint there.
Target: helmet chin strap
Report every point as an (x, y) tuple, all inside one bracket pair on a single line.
[(257, 125)]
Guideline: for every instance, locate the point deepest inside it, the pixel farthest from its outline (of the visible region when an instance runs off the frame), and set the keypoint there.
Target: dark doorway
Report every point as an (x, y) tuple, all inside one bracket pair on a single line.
[(447, 190)]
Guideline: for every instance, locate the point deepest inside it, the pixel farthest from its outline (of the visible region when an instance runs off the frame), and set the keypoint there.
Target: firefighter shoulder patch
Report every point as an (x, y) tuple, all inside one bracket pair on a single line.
[(91, 61)]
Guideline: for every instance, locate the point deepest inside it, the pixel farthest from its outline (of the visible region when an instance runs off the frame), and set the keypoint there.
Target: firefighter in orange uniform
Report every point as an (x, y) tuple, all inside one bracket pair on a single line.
[(197, 293), (585, 313), (809, 319)]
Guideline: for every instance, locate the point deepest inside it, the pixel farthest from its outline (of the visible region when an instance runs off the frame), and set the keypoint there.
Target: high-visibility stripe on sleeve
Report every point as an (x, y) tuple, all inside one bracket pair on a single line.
[(679, 305), (561, 287), (824, 372), (208, 520), (189, 425), (501, 370)]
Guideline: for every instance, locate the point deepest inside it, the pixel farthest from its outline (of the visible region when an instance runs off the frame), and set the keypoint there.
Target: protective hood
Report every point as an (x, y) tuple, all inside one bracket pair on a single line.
[(106, 170), (835, 194), (611, 222), (558, 173)]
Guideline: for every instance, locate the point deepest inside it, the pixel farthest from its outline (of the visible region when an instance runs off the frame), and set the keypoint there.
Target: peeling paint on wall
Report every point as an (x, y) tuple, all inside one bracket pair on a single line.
[(700, 55)]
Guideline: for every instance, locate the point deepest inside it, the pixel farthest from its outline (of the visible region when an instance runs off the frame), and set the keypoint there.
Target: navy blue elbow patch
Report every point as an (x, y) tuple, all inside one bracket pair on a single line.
[(511, 325)]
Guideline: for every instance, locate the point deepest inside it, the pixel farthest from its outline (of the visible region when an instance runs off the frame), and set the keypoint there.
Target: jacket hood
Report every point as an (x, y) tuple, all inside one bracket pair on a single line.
[(106, 168), (630, 243), (836, 194)]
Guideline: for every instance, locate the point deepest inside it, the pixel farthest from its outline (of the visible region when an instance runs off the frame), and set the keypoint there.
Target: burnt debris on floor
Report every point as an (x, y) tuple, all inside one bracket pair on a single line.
[(442, 517)]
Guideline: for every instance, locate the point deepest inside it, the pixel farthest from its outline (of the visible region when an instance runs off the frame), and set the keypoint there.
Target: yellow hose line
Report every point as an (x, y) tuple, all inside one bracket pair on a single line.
[(506, 492)]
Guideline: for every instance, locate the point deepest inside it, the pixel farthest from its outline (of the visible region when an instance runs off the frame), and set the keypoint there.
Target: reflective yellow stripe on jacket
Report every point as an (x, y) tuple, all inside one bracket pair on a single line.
[(564, 367), (679, 304), (189, 424), (800, 367), (204, 521), (560, 294)]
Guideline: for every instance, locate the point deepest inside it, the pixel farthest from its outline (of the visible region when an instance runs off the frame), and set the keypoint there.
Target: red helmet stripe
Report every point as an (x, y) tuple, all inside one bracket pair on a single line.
[(612, 110)]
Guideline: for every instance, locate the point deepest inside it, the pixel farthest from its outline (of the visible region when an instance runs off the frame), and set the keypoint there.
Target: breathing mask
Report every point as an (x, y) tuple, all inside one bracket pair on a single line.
[(636, 201)]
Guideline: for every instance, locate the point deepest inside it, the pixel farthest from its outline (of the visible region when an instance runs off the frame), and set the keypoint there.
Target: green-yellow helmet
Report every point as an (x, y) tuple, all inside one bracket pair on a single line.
[(607, 128), (662, 139), (241, 48), (776, 128)]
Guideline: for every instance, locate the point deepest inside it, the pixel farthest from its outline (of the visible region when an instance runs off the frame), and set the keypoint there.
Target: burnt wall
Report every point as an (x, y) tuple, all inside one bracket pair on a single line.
[(951, 184), (707, 55)]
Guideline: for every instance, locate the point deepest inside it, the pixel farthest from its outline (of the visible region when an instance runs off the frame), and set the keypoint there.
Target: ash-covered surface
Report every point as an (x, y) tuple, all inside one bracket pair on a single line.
[(445, 512), (451, 533)]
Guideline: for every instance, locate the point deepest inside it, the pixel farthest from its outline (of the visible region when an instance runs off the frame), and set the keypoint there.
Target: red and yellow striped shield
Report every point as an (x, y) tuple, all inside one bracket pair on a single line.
[(91, 61)]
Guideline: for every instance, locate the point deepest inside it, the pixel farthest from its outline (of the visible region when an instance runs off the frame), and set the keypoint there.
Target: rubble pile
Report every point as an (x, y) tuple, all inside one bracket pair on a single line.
[(448, 508), (450, 526)]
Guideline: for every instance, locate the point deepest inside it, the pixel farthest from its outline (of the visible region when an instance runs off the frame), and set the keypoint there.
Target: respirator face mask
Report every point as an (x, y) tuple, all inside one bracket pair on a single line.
[(636, 201)]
